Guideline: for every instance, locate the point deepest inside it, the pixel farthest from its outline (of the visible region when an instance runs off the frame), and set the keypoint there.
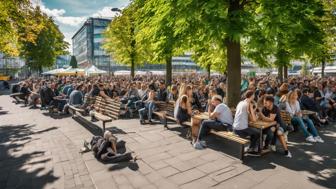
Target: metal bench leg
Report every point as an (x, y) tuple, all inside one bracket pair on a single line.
[(103, 127), (242, 152), (165, 123)]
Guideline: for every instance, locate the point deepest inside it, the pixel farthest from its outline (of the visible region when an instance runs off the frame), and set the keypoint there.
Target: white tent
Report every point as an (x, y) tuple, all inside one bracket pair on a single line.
[(93, 70), (53, 72), (122, 72), (71, 71)]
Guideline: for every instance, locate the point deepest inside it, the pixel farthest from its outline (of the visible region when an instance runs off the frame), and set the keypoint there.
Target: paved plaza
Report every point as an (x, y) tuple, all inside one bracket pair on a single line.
[(42, 151)]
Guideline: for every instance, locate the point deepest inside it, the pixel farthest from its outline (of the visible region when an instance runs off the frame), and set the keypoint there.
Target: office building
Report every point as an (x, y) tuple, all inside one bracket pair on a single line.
[(87, 47)]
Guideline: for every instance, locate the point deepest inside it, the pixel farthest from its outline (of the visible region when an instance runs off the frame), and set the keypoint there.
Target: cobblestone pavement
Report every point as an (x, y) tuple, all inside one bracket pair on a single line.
[(42, 151)]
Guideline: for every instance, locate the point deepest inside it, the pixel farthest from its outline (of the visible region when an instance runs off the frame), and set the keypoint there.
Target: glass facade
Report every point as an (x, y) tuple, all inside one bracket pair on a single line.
[(87, 47)]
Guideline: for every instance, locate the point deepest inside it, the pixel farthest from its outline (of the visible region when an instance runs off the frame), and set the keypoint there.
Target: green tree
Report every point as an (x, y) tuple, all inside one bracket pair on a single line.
[(245, 28), (48, 45), (17, 25), (156, 32), (73, 62), (327, 50), (120, 40)]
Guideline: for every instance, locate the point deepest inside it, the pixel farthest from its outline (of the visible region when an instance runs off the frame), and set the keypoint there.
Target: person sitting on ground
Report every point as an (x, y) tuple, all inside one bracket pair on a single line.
[(148, 109), (108, 148), (220, 119), (184, 110), (270, 113), (293, 108), (245, 113)]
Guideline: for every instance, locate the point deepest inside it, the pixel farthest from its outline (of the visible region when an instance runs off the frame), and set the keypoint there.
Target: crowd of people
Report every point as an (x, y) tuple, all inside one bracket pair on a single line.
[(262, 98)]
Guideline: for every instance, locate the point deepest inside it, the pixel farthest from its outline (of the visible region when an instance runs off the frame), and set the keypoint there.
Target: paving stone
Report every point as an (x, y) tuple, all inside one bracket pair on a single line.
[(168, 171), (187, 176), (158, 165)]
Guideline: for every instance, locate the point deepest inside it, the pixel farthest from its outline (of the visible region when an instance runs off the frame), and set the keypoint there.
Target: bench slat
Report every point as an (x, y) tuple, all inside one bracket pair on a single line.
[(230, 136)]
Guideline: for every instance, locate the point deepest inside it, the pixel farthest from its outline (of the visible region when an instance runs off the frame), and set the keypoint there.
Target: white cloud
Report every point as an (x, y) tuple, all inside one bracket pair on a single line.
[(58, 14), (105, 13)]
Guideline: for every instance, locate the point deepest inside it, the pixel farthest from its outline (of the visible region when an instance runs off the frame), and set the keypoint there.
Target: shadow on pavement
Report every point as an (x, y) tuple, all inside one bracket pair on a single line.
[(317, 159), (18, 171), (96, 129)]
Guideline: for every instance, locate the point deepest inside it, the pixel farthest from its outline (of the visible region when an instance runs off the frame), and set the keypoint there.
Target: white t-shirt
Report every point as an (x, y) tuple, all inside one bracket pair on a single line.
[(293, 109), (224, 113), (241, 117)]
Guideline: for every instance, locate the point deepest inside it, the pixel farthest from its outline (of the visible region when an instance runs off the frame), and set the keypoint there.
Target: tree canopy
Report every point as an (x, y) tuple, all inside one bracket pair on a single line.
[(48, 45), (17, 25), (120, 40)]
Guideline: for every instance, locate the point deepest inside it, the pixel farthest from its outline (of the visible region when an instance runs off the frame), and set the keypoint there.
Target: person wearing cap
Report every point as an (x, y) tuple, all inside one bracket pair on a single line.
[(220, 119)]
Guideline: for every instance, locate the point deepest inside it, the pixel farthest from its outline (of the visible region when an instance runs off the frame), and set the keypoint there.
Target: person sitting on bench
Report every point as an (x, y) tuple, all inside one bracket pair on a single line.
[(221, 119), (24, 94), (75, 99), (245, 113), (184, 110), (270, 113), (148, 109)]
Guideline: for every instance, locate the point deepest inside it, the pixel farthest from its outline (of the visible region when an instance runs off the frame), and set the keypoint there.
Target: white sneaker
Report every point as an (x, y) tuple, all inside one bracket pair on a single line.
[(273, 148), (319, 139), (198, 146), (310, 139), (289, 155)]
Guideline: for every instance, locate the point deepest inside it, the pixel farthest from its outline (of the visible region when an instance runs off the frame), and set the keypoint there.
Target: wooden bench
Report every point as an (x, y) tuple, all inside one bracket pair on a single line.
[(233, 137), (18, 97), (165, 111), (106, 110), (285, 116), (88, 100)]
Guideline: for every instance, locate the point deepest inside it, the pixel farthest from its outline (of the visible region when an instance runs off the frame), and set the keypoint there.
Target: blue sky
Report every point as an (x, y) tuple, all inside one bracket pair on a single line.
[(70, 14)]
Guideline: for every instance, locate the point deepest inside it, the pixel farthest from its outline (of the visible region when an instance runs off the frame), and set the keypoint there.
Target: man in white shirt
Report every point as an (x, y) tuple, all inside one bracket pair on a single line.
[(221, 119), (244, 113)]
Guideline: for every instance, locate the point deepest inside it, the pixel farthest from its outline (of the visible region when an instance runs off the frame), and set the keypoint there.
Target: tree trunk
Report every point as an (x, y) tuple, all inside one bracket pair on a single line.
[(233, 73), (132, 69), (233, 61), (209, 70), (322, 69), (168, 71), (285, 70), (280, 73), (133, 50)]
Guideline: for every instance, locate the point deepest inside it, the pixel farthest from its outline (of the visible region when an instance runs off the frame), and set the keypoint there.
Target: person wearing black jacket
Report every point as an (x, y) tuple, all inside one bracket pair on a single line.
[(308, 103), (162, 94)]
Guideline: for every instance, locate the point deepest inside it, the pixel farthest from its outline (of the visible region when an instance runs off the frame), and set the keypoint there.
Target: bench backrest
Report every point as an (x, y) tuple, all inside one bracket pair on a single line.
[(285, 117), (112, 108), (108, 107), (167, 107)]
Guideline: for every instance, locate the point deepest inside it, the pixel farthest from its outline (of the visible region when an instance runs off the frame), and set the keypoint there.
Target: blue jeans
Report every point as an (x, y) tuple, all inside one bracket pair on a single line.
[(148, 109), (207, 125), (300, 121)]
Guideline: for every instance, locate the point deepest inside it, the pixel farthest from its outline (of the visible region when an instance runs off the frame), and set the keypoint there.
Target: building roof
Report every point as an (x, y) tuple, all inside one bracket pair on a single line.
[(87, 22)]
